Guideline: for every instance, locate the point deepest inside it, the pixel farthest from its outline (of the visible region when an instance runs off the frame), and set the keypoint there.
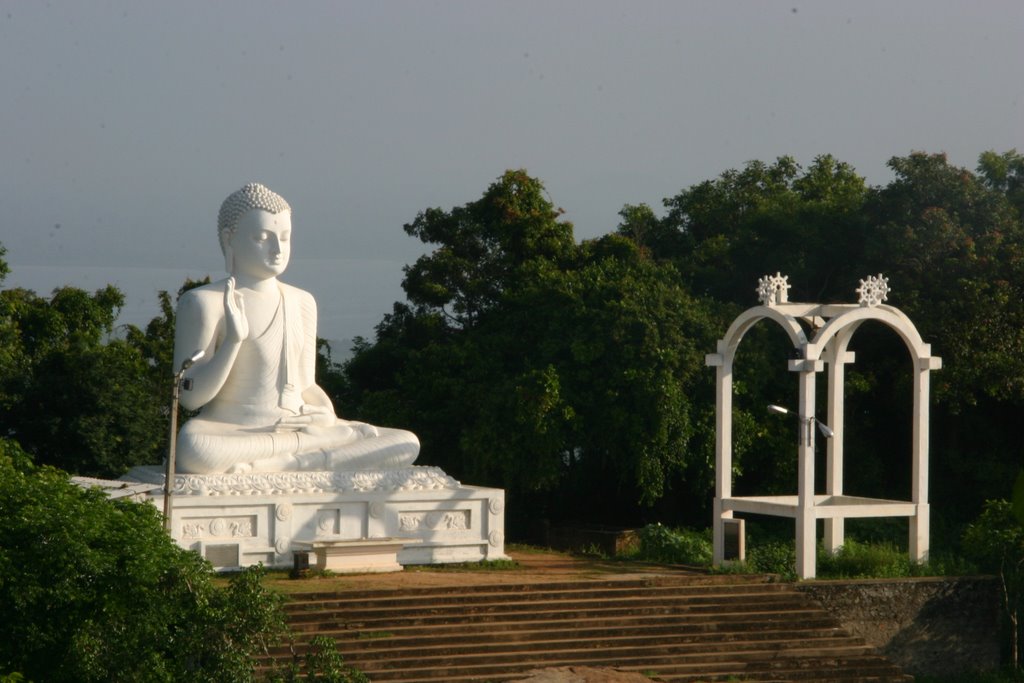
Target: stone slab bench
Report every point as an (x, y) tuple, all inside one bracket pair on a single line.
[(357, 555)]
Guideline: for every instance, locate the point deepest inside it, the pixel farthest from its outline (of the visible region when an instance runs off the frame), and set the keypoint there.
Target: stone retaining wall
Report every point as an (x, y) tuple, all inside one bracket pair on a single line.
[(929, 626)]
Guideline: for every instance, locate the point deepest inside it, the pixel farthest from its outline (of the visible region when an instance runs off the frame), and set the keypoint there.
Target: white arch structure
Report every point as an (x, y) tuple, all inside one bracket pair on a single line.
[(831, 326)]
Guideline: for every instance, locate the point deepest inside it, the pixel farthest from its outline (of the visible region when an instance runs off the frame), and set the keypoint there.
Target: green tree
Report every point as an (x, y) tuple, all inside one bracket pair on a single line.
[(322, 663), (952, 245), (556, 370), (656, 237), (69, 393), (722, 235), (954, 250), (484, 248), (77, 392), (95, 590), (424, 367), (586, 380), (808, 224), (996, 542), (1004, 173), (156, 341)]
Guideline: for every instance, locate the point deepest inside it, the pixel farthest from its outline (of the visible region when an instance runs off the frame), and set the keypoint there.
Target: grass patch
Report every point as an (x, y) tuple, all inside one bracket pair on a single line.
[(526, 549), (777, 555), (857, 560), (1007, 676), (481, 566), (375, 635)]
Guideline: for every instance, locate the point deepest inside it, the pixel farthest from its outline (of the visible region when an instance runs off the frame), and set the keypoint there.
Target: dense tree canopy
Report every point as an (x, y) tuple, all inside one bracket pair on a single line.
[(485, 248), (954, 247), (95, 590), (562, 377), (69, 393), (726, 233), (76, 392)]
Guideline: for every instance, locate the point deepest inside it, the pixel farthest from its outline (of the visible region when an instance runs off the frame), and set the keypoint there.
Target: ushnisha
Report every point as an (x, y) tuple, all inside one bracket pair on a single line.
[(260, 407)]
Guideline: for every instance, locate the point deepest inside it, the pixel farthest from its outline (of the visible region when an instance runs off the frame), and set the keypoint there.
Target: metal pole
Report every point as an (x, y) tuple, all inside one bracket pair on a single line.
[(806, 431), (173, 441)]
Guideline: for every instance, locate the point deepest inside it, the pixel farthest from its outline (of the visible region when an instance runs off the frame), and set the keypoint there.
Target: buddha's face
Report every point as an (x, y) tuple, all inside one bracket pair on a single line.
[(261, 244)]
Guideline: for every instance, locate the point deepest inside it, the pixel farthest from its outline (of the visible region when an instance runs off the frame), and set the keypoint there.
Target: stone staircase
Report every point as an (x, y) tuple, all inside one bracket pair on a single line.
[(669, 628)]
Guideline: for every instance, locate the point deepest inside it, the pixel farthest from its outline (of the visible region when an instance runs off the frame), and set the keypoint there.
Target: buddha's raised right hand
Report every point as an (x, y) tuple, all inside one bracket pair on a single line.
[(235, 320)]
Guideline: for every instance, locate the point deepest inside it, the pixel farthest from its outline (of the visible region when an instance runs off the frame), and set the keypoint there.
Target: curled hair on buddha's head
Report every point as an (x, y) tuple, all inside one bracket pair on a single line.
[(252, 196)]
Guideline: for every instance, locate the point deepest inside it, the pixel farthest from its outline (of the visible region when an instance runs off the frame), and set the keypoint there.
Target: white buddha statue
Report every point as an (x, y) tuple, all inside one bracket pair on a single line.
[(261, 409)]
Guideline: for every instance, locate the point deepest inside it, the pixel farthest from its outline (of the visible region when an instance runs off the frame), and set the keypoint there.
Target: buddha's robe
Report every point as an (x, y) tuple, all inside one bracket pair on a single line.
[(272, 378)]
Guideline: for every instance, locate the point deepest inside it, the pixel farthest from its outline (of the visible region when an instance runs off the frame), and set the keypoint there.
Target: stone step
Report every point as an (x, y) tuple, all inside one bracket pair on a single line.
[(726, 582), (529, 642), (748, 629), (632, 647), (555, 618), (666, 603), (525, 593), (828, 671), (510, 604), (682, 630), (760, 660)]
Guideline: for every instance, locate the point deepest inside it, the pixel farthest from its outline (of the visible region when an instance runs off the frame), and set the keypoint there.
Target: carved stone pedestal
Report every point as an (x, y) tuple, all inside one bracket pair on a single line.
[(237, 520)]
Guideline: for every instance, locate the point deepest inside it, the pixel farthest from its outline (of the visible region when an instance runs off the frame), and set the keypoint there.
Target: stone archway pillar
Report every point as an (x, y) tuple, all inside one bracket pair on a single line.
[(836, 358), (723, 448), (805, 517), (919, 523)]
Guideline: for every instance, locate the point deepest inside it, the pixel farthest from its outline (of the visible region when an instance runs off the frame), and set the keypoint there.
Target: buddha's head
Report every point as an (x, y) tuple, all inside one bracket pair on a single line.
[(252, 220)]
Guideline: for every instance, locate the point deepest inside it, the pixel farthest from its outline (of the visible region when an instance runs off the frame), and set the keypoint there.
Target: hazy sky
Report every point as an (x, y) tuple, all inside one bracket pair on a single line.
[(123, 125)]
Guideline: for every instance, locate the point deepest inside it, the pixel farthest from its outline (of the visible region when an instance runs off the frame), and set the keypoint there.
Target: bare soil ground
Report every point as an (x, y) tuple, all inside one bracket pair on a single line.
[(528, 565), (583, 674)]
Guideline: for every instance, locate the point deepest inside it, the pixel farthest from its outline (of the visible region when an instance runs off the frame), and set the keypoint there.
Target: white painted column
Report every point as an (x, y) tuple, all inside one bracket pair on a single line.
[(919, 523), (838, 356), (722, 362), (805, 518)]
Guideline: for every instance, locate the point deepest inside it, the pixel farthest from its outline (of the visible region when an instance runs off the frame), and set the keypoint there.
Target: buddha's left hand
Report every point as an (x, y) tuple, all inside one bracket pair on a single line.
[(311, 419), (319, 416)]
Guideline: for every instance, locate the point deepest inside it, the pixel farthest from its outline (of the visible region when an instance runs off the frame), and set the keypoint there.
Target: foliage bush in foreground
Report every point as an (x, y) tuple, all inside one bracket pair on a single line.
[(674, 546), (660, 543), (95, 590), (856, 559), (996, 542), (323, 663), (773, 557)]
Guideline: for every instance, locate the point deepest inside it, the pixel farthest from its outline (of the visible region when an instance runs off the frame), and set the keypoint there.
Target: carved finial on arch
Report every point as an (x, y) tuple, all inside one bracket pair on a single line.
[(773, 289), (873, 290)]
